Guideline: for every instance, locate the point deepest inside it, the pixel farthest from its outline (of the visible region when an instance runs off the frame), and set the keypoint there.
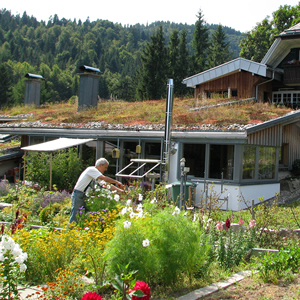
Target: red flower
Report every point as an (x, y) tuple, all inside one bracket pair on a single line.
[(227, 224), (144, 287), (91, 296)]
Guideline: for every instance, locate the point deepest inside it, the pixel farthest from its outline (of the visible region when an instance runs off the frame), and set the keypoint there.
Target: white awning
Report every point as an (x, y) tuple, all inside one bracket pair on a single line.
[(58, 144)]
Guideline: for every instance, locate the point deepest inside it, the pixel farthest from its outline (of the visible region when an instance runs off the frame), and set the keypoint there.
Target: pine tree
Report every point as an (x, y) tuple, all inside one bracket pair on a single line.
[(184, 62), (178, 60), (200, 44), (152, 74), (173, 58), (5, 84), (219, 48)]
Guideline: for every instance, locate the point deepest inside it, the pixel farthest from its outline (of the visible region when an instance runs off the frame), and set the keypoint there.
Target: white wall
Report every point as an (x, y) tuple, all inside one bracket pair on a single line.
[(236, 195)]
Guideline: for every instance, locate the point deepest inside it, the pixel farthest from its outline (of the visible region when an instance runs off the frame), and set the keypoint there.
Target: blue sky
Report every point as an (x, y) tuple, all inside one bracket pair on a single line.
[(240, 15)]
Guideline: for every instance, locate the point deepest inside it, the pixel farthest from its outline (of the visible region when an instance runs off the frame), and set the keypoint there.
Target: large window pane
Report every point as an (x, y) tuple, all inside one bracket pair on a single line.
[(194, 155), (266, 165), (221, 161), (249, 162)]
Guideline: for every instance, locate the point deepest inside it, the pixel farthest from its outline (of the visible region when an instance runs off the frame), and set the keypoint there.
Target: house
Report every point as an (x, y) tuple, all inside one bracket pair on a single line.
[(232, 166), (275, 79)]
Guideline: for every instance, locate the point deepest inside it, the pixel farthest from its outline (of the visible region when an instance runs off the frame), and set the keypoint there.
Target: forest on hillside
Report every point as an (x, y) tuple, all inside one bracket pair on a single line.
[(130, 58)]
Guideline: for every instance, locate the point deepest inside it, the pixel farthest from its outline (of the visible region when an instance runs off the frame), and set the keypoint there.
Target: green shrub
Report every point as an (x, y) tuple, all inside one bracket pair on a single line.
[(66, 168), (160, 247), (273, 265)]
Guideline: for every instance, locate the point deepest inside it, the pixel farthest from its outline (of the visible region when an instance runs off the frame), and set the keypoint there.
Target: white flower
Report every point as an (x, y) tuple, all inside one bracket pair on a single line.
[(146, 243), (153, 200), (23, 267), (132, 215), (86, 228), (2, 257), (123, 211), (7, 242), (128, 202), (139, 207), (139, 214), (176, 211), (168, 186), (127, 224), (140, 197), (20, 259), (16, 251), (129, 209), (185, 214), (117, 197), (108, 186)]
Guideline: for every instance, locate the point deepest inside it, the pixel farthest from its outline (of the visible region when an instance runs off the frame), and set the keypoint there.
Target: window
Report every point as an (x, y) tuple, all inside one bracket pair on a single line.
[(194, 155), (221, 161), (108, 149), (283, 155), (266, 163), (249, 162)]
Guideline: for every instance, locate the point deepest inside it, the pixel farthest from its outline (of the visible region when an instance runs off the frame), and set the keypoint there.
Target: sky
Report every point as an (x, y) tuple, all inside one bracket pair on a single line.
[(237, 14)]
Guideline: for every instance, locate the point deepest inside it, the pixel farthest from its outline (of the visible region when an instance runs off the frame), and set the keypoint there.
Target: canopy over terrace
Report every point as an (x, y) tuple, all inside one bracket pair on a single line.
[(55, 145)]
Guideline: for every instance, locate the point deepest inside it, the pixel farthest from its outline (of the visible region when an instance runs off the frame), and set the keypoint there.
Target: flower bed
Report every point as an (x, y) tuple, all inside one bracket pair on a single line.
[(141, 237)]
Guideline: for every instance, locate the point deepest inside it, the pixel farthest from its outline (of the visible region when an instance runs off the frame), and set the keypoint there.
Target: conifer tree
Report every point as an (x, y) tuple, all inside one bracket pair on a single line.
[(152, 74), (200, 44), (178, 62), (219, 48)]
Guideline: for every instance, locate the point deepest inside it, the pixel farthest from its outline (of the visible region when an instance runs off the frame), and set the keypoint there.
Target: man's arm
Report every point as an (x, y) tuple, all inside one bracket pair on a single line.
[(110, 180)]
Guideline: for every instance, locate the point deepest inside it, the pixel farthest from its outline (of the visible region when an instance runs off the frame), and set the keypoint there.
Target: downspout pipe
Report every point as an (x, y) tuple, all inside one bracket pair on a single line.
[(168, 124), (256, 88)]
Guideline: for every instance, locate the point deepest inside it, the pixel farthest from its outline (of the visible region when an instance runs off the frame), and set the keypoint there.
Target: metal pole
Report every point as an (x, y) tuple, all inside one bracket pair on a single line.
[(168, 123), (182, 165), (50, 172)]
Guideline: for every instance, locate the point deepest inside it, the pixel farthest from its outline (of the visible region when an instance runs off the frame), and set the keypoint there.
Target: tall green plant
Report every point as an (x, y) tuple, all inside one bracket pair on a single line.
[(66, 167), (154, 246)]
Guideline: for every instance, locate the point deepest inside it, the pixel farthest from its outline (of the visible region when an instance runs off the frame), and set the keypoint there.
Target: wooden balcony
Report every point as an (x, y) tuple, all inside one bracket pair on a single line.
[(291, 74)]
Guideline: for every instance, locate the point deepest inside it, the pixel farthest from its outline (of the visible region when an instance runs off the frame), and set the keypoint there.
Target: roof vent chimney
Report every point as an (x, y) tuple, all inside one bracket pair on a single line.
[(33, 89), (88, 87)]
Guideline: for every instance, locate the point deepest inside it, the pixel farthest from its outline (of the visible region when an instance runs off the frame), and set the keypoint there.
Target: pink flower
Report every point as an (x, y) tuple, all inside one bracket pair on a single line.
[(241, 221), (91, 296), (252, 223), (219, 226), (144, 287)]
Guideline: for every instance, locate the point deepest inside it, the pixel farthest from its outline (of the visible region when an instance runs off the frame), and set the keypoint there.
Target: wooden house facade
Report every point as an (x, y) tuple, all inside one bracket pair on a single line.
[(275, 79)]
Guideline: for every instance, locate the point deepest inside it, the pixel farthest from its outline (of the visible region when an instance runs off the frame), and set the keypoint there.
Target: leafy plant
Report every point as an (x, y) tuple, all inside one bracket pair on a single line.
[(232, 247), (154, 246), (273, 265), (38, 168), (101, 197)]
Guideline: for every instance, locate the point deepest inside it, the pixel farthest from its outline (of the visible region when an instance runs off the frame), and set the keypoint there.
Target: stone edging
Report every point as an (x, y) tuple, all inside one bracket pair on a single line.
[(214, 287)]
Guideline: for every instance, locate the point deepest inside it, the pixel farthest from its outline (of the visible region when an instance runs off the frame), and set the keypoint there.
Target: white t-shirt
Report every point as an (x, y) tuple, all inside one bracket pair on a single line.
[(90, 173)]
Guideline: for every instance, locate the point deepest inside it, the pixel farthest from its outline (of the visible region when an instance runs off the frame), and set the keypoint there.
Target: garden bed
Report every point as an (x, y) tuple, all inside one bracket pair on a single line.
[(174, 251)]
